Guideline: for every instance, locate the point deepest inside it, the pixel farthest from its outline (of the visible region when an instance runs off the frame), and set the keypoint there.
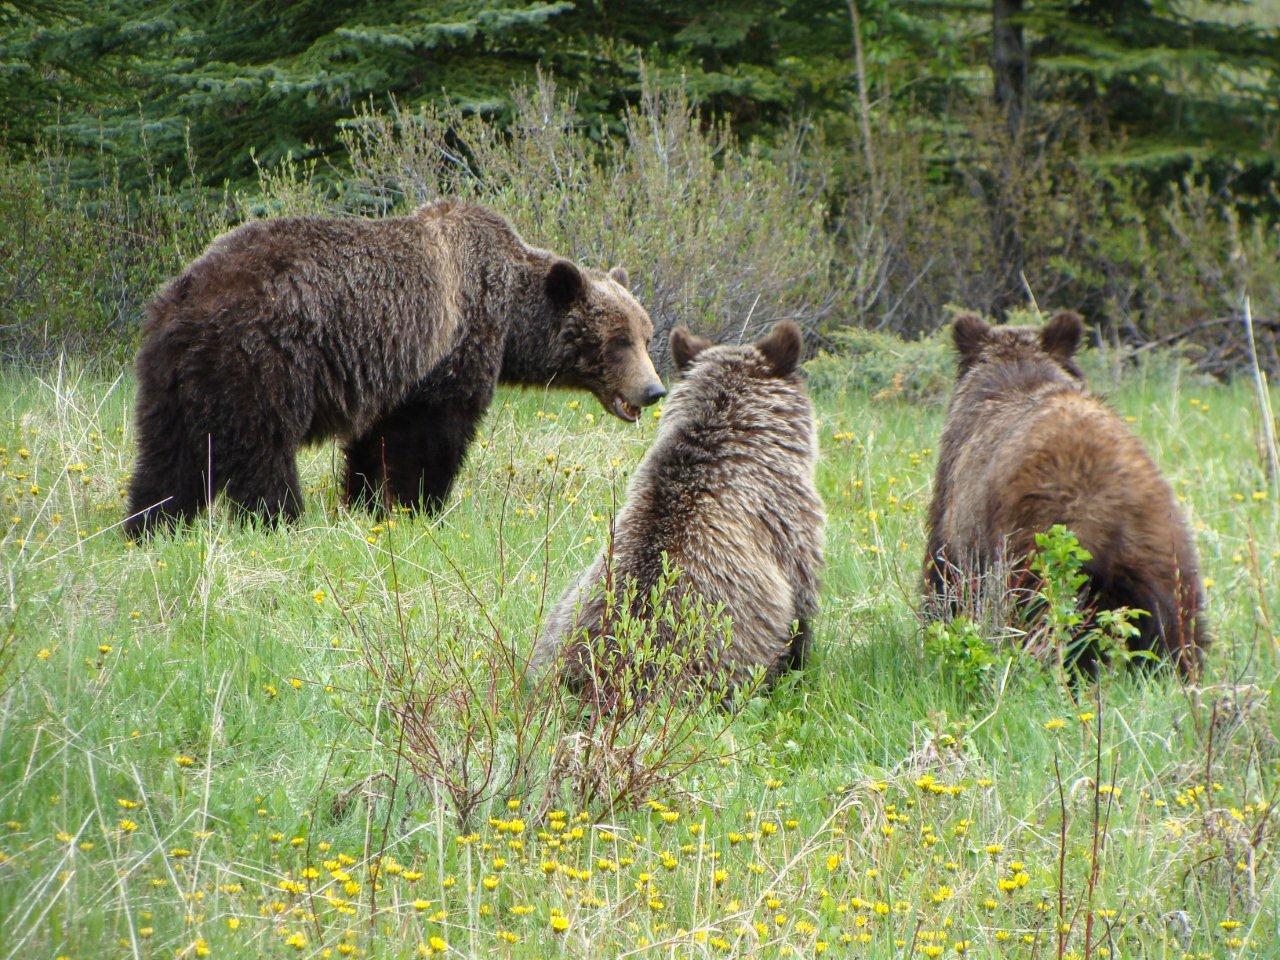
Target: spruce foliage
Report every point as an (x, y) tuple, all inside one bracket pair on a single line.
[(149, 83)]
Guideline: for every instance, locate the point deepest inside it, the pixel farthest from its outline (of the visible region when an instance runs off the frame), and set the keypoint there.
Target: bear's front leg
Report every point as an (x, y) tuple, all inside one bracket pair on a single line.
[(412, 456), (426, 450)]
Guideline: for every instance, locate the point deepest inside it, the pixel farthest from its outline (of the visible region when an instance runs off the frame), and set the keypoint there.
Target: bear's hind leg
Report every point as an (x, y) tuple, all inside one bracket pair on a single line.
[(364, 477), (172, 478), (265, 484), (164, 492)]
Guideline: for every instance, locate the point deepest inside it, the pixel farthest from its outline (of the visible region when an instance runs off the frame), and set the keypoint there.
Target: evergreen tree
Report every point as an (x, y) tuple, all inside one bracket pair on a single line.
[(237, 81), (263, 80), (61, 59), (1183, 88)]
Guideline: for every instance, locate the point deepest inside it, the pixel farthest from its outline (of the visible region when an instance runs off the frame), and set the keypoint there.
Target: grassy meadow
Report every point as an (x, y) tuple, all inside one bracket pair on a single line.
[(200, 756)]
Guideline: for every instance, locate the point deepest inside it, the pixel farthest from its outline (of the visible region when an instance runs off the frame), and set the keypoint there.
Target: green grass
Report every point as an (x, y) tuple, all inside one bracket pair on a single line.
[(178, 718)]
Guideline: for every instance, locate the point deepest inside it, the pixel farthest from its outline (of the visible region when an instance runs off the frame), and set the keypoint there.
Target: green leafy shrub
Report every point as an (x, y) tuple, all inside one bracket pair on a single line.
[(1066, 628), (961, 652), (77, 268), (1059, 566), (885, 366), (973, 218)]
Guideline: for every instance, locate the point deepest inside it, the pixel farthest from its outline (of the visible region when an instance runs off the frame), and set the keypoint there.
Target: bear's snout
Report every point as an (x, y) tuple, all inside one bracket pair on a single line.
[(635, 385), (626, 405), (652, 394)]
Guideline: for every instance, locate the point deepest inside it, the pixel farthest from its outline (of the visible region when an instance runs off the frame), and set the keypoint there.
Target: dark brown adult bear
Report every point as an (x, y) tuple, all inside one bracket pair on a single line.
[(725, 503), (389, 334), (1026, 447)]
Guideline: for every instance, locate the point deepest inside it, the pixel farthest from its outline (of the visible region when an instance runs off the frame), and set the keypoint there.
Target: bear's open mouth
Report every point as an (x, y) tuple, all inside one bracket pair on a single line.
[(623, 410)]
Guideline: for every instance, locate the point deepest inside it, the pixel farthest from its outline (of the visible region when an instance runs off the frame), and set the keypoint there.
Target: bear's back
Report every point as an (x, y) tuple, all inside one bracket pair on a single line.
[(309, 262), (728, 499), (1064, 457)]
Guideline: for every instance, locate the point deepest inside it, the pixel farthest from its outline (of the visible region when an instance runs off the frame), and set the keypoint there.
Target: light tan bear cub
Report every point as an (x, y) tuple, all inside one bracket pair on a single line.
[(725, 500), (1025, 447)]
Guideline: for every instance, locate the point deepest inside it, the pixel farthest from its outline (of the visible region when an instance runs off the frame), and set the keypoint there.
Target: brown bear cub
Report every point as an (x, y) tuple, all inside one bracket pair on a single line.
[(1025, 447), (724, 508), (389, 334)]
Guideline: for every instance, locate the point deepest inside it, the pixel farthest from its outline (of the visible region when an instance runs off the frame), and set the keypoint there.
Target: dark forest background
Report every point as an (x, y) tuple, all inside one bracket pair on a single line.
[(860, 164)]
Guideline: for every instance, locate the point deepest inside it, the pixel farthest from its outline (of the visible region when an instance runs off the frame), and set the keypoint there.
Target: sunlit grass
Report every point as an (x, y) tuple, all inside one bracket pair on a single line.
[(177, 720)]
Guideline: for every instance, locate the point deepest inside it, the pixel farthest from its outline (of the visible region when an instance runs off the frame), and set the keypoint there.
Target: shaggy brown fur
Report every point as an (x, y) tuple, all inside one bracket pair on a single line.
[(726, 498), (389, 334), (1025, 447)]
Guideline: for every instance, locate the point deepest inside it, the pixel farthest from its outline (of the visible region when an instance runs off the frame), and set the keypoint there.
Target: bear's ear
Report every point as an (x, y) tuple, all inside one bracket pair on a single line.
[(619, 276), (970, 333), (1061, 336), (685, 346), (564, 283), (781, 347)]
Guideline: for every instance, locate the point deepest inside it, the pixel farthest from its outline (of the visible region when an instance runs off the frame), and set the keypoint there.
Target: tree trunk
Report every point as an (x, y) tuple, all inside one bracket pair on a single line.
[(864, 104), (1009, 61), (1009, 71)]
